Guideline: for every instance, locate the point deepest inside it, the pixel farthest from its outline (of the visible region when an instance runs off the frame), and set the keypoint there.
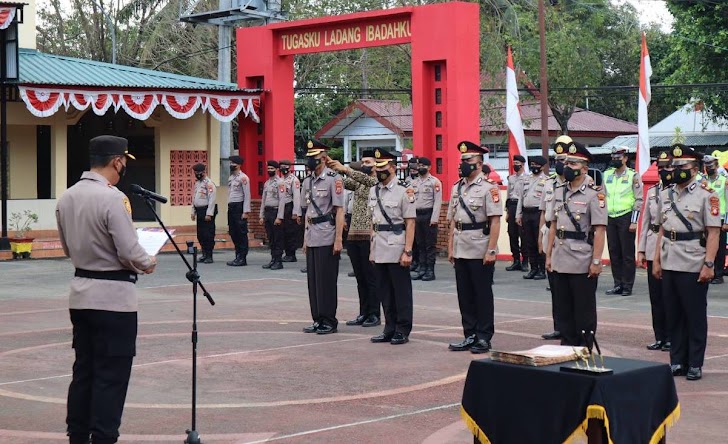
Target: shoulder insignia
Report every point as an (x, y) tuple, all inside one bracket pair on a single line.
[(332, 173), (437, 186), (706, 187), (127, 204), (298, 184), (488, 180), (282, 188), (339, 186), (714, 205), (495, 194), (410, 194), (602, 200), (595, 187)]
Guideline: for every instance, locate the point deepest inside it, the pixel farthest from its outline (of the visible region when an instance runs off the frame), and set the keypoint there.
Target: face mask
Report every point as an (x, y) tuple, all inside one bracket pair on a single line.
[(122, 172), (414, 173), (284, 170), (383, 175), (271, 173), (517, 168), (367, 170), (466, 169), (535, 169), (682, 176), (570, 174), (615, 163), (422, 171), (233, 168), (199, 176), (666, 177), (313, 163), (560, 168), (710, 171)]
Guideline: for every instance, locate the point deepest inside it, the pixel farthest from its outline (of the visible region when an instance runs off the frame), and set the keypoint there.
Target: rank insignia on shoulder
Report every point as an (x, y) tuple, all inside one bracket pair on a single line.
[(714, 205), (595, 187), (706, 187), (339, 186), (495, 194), (410, 194), (332, 173), (490, 181), (602, 200)]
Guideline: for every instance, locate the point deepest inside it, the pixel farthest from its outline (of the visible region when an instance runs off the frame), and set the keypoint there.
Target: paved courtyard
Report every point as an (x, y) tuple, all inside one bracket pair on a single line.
[(261, 379)]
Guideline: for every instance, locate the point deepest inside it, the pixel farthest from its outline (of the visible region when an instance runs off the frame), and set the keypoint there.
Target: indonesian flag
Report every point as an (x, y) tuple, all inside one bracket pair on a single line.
[(516, 139), (643, 137)]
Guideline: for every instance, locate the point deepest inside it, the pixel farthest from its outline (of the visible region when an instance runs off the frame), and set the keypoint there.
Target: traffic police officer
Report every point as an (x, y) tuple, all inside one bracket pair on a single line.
[(238, 209), (515, 232), (96, 232), (272, 213), (393, 212), (323, 242), (204, 210), (689, 240), (717, 182), (651, 221), (292, 215), (528, 215), (428, 200), (623, 188), (578, 214), (475, 212)]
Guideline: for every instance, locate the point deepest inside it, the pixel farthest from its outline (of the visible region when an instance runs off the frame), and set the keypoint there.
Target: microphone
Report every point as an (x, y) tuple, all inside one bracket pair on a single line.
[(139, 191)]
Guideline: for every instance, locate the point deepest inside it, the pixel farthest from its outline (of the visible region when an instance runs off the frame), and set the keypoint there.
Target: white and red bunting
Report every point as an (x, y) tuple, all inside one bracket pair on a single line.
[(44, 102), (7, 15)]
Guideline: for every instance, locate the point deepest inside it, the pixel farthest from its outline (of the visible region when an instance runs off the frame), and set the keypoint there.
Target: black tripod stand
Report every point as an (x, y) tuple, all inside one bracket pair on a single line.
[(193, 437)]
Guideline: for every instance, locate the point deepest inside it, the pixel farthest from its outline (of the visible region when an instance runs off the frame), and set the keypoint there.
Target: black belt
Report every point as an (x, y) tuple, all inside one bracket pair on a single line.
[(320, 219), (476, 226), (563, 234), (511, 201), (677, 236), (116, 275), (655, 228), (530, 209), (423, 210), (387, 227), (271, 208)]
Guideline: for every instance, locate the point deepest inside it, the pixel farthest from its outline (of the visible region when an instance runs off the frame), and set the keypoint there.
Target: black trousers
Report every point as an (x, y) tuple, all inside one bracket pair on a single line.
[(274, 232), (576, 302), (554, 301), (238, 228), (323, 273), (530, 222), (620, 242), (515, 232), (686, 302), (290, 231), (366, 281), (474, 282), (105, 345), (395, 288), (205, 229), (426, 236), (720, 254), (657, 302)]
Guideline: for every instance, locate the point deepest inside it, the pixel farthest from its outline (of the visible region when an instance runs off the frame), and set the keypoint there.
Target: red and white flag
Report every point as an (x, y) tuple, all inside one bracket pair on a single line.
[(643, 136), (516, 139)]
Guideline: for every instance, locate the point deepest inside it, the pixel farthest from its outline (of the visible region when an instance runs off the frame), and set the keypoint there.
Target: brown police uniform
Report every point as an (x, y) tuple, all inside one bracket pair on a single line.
[(203, 204), (545, 205), (238, 204), (273, 207), (515, 232), (531, 191), (292, 199), (428, 200)]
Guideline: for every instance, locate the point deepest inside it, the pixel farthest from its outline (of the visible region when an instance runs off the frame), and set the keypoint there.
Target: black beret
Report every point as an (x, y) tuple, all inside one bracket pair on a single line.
[(109, 146), (367, 153), (285, 162), (425, 161), (199, 167), (519, 158), (538, 160), (413, 161), (273, 163), (237, 160)]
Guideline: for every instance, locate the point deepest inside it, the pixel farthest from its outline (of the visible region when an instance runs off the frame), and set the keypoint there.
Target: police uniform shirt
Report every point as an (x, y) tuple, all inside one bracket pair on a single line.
[(546, 206), (273, 190), (293, 193), (651, 216), (399, 203), (205, 194), (239, 190), (327, 190), (531, 191), (96, 232), (612, 181), (482, 197), (428, 195), (700, 205), (589, 207), (513, 182)]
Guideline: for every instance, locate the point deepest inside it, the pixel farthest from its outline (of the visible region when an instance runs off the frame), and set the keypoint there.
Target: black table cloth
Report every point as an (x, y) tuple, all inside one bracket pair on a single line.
[(518, 404)]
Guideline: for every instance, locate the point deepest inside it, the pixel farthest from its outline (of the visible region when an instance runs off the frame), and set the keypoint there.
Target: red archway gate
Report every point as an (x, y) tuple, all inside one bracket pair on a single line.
[(445, 76)]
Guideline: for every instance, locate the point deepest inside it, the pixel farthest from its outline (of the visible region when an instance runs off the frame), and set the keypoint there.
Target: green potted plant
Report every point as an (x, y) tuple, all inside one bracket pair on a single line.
[(21, 245)]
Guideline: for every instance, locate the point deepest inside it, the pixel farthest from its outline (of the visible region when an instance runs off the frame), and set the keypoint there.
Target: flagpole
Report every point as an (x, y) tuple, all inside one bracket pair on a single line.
[(544, 82)]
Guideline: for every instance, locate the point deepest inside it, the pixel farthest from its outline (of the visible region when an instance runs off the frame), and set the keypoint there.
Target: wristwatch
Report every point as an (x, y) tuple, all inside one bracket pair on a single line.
[(596, 262), (492, 252), (709, 264), (408, 252)]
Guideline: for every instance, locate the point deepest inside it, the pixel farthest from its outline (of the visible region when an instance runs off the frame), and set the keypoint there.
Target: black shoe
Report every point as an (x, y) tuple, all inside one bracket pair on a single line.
[(75, 438), (531, 274), (202, 257), (325, 329), (277, 265), (552, 335), (464, 345), (237, 262), (694, 373), (626, 292), (515, 266), (419, 274), (657, 345), (382, 338), (372, 321), (548, 288), (429, 274), (414, 267), (666, 346), (311, 328), (524, 267), (718, 280), (480, 346), (616, 290), (539, 276), (289, 259), (677, 370), (207, 260), (269, 264), (304, 270), (351, 274), (399, 339), (358, 321)]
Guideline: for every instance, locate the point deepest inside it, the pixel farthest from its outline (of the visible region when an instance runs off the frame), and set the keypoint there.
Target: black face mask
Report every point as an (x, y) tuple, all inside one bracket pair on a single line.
[(312, 163), (233, 168), (122, 172), (535, 169), (681, 176), (199, 176), (383, 175), (560, 168), (271, 173), (414, 173), (615, 163), (570, 174), (422, 171), (366, 169), (666, 177), (284, 170), (466, 169), (710, 171), (517, 168)]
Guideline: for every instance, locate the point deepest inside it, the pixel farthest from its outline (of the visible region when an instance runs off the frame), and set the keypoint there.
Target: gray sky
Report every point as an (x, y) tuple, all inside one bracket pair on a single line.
[(651, 11)]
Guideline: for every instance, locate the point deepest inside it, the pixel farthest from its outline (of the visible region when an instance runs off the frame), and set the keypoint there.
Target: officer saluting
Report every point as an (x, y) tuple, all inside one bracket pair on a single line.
[(689, 241), (475, 212), (238, 209), (428, 200), (204, 210), (96, 231), (578, 217), (393, 230)]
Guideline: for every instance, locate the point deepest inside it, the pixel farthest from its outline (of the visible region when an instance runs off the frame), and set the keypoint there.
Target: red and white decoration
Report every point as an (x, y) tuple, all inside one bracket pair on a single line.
[(7, 15), (44, 102), (643, 131), (516, 138)]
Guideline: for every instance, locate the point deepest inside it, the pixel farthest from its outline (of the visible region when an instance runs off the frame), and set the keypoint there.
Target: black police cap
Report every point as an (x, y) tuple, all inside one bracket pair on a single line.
[(102, 146), (198, 167), (237, 160)]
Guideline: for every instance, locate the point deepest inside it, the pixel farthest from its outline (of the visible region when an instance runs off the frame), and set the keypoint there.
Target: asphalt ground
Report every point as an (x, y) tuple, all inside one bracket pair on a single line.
[(261, 379)]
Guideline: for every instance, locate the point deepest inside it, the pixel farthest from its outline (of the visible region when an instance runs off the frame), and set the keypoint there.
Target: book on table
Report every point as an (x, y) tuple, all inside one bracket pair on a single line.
[(539, 356)]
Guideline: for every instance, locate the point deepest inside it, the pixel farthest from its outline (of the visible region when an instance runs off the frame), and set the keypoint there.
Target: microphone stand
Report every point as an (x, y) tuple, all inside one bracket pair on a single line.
[(193, 437)]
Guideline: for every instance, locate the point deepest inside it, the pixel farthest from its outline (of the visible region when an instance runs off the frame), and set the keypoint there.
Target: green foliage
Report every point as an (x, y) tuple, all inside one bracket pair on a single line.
[(21, 222)]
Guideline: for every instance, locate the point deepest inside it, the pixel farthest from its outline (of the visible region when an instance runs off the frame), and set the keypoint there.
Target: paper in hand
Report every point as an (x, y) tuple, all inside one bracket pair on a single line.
[(152, 239)]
